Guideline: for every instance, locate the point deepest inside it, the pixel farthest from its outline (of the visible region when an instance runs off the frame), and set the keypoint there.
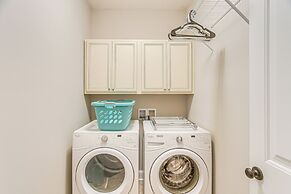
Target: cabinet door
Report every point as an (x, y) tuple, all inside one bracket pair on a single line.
[(98, 56), (124, 66), (153, 66), (180, 67)]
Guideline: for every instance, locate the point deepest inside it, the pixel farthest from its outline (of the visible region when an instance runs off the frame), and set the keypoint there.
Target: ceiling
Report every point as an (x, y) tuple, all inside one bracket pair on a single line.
[(140, 4)]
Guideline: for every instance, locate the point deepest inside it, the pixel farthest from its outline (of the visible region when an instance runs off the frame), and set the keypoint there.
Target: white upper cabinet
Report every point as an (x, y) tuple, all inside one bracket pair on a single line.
[(180, 67), (110, 66), (153, 65), (145, 66), (166, 67), (97, 66), (124, 66)]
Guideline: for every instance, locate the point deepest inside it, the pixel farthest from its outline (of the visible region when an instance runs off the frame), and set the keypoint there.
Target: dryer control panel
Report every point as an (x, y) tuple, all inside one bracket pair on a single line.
[(91, 136), (116, 140)]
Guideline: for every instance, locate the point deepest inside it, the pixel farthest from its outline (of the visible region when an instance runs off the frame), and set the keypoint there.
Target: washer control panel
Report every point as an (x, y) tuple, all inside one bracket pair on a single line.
[(201, 140)]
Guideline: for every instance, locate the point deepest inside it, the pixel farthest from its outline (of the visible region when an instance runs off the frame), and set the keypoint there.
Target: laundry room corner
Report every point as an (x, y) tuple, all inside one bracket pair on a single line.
[(145, 97), (220, 102)]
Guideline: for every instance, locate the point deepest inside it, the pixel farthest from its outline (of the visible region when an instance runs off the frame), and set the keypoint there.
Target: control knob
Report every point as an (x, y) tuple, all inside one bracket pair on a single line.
[(179, 139), (104, 138)]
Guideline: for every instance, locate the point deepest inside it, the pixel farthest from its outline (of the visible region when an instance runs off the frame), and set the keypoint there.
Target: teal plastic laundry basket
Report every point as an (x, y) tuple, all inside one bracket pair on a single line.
[(113, 115)]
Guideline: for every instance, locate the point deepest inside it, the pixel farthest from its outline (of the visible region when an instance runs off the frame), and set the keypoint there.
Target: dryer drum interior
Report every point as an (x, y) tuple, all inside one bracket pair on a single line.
[(104, 173), (179, 174)]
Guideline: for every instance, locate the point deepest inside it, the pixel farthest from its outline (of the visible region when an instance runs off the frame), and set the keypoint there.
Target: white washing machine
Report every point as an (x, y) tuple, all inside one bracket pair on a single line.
[(105, 162), (177, 157)]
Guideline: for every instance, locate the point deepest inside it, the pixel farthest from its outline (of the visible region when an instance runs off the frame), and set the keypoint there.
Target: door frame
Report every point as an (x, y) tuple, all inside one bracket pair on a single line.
[(258, 84)]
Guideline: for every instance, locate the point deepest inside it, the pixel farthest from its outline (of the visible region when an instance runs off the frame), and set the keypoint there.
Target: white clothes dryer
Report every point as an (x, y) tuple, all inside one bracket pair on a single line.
[(177, 157), (105, 162)]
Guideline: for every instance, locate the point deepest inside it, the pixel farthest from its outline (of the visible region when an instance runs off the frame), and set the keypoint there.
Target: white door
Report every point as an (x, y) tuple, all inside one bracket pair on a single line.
[(124, 66), (270, 96), (98, 58), (154, 66), (180, 67)]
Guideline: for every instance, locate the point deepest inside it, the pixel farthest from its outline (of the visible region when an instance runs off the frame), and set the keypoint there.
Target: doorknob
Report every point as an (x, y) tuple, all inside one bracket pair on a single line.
[(254, 172)]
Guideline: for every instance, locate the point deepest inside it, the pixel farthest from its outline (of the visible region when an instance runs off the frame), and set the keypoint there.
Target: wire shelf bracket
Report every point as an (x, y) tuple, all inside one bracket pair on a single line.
[(233, 6)]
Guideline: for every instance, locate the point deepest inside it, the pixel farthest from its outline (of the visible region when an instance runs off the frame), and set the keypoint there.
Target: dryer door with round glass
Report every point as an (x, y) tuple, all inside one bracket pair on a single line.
[(179, 171), (104, 170)]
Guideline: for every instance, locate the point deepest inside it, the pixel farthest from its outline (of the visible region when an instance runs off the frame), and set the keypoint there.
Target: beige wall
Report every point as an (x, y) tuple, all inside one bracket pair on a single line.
[(166, 105), (41, 100), (220, 103), (140, 24), (135, 24)]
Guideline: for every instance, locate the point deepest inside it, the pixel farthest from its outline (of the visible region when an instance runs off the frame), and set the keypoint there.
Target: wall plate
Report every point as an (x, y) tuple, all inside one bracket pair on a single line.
[(142, 114)]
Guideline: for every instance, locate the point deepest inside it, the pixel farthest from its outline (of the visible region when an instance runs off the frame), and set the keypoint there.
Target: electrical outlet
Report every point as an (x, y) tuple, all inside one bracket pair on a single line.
[(152, 113), (142, 114), (146, 114)]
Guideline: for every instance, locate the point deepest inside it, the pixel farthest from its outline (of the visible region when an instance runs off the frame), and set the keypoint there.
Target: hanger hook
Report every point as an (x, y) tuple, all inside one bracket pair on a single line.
[(169, 36), (191, 15)]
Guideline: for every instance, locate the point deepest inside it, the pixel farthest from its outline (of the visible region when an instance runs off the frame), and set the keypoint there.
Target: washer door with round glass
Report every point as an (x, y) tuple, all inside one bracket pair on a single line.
[(104, 170), (179, 171)]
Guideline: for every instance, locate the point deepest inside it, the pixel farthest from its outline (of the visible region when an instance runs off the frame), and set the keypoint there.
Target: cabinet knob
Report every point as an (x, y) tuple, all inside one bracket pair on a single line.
[(108, 89)]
